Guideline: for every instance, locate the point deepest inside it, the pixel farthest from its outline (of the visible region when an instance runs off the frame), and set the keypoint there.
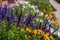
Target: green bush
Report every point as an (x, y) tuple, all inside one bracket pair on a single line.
[(58, 1)]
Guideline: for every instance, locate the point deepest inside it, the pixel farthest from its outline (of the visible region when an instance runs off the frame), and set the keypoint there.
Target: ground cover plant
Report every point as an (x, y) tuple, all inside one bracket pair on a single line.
[(27, 22)]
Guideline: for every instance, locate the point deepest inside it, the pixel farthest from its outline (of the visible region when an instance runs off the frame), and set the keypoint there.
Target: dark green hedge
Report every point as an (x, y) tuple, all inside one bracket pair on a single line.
[(58, 1)]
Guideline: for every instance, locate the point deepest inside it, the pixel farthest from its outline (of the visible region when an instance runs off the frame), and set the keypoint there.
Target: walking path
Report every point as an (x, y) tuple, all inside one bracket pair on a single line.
[(56, 6)]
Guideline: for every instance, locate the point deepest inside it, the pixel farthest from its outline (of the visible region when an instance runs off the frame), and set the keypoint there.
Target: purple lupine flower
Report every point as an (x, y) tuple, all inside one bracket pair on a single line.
[(0, 18), (20, 18), (28, 19), (45, 28), (0, 13), (57, 38), (32, 24), (12, 16), (8, 14), (38, 26), (48, 28), (4, 11)]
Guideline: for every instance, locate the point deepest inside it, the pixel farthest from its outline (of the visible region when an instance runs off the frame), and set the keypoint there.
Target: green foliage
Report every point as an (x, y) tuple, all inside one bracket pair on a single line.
[(42, 5)]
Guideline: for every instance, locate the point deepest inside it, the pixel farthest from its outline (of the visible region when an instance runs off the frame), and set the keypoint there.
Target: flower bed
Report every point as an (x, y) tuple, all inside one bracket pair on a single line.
[(26, 22)]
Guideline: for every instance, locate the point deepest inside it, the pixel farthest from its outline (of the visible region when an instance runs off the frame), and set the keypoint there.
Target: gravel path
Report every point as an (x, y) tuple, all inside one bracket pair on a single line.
[(56, 6)]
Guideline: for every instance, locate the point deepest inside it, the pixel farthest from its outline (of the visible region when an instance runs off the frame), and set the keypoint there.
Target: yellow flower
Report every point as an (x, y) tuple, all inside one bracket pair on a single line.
[(22, 30), (35, 31), (39, 31), (46, 36), (59, 23), (49, 16), (50, 13), (51, 38), (27, 29), (56, 22), (41, 14)]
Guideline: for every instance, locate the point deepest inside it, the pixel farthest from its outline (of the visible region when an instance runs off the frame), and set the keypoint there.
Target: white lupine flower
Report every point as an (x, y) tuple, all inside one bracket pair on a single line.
[(59, 34), (35, 6), (32, 7), (37, 10), (46, 15), (49, 20), (41, 20), (29, 5), (51, 30), (41, 13), (26, 2), (33, 21), (24, 6)]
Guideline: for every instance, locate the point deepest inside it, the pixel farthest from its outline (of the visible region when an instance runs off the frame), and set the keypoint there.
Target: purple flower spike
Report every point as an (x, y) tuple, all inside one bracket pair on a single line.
[(4, 11), (0, 14), (21, 17), (57, 39), (39, 26), (12, 16), (32, 24), (0, 10), (45, 28), (28, 19)]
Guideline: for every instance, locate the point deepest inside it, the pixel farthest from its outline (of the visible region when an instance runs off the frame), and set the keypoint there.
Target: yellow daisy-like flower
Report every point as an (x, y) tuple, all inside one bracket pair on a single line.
[(56, 22), (22, 30), (39, 31), (46, 36), (35, 31), (50, 13), (49, 16), (28, 30)]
